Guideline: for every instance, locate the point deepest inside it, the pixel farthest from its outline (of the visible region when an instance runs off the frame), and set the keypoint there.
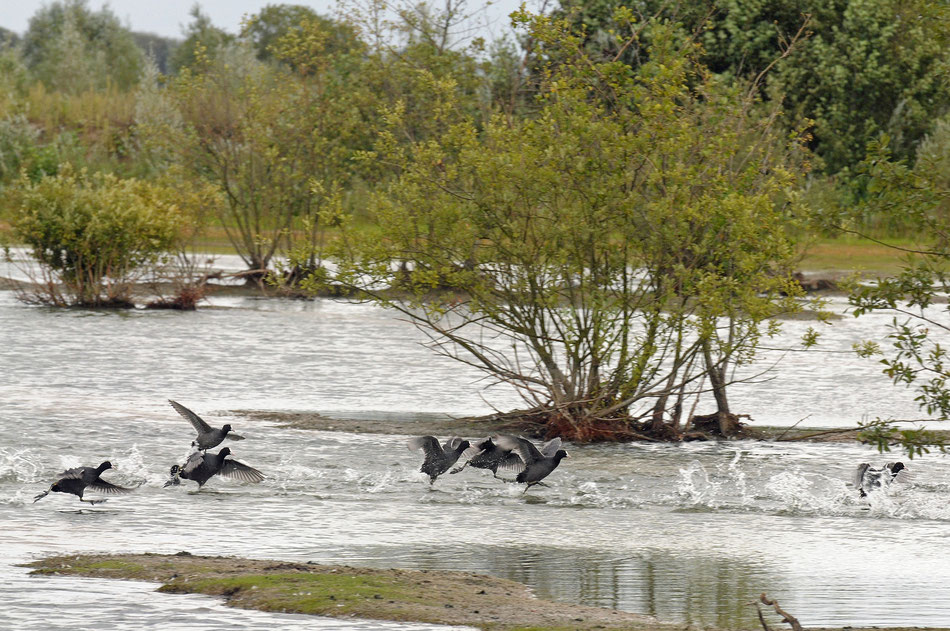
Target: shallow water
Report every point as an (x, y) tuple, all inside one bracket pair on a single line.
[(689, 533)]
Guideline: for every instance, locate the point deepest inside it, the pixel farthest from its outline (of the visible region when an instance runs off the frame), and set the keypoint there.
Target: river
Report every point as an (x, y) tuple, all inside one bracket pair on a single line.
[(689, 533)]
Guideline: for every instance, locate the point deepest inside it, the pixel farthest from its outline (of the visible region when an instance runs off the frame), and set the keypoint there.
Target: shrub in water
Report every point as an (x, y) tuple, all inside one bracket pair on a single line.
[(91, 235)]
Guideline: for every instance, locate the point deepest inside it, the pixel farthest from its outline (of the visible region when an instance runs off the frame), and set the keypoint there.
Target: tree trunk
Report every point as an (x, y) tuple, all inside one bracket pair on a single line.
[(726, 423)]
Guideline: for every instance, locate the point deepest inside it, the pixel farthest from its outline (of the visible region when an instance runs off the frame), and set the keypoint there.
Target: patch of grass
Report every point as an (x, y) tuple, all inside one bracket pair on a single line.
[(301, 593), (107, 568), (857, 255), (442, 597)]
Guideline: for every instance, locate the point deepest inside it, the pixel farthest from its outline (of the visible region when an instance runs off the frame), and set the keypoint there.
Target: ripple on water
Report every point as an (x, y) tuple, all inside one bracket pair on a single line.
[(689, 532)]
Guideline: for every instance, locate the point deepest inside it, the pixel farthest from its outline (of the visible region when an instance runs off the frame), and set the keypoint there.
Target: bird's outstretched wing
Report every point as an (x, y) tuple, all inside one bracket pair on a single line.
[(240, 471), (858, 479), (196, 421), (107, 487), (511, 462), (72, 474), (521, 446), (428, 444), (550, 448)]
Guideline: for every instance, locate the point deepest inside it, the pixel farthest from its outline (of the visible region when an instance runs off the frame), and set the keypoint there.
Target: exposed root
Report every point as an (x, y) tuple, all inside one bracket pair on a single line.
[(544, 423), (720, 424), (186, 299)]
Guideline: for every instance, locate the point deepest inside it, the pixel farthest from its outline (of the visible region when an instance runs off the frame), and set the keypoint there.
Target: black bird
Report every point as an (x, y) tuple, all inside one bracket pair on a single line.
[(866, 478), (438, 457), (78, 479), (208, 437), (485, 454), (201, 467), (538, 463)]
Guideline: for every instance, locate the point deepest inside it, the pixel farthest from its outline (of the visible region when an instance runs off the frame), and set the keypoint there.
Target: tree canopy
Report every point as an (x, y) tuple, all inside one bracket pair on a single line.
[(72, 48), (602, 256)]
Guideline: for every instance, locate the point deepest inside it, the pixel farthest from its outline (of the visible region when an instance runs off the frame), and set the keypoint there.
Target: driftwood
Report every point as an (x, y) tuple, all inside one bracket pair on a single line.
[(786, 617), (824, 432)]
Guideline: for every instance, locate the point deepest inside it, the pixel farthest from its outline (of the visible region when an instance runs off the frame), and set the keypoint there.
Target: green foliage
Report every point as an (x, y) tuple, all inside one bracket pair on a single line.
[(13, 79), (916, 358), (865, 66), (871, 66), (304, 593), (915, 441), (90, 234), (203, 40), (933, 158), (157, 48), (18, 139), (275, 138), (275, 22), (8, 39), (623, 242), (158, 123), (72, 48), (506, 80)]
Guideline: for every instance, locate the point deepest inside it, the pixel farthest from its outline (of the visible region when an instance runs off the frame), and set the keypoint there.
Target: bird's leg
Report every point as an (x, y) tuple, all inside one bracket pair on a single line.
[(457, 469), (42, 495)]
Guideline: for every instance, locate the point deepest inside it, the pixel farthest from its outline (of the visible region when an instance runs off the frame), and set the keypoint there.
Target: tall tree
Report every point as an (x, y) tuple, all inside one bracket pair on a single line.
[(202, 40), (866, 67), (871, 67), (265, 30), (72, 48), (590, 256), (158, 48), (8, 38), (275, 137)]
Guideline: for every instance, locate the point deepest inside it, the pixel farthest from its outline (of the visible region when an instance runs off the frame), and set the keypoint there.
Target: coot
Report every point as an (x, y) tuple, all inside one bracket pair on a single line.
[(208, 436), (201, 467), (486, 454), (538, 463), (78, 479), (867, 478), (438, 457)]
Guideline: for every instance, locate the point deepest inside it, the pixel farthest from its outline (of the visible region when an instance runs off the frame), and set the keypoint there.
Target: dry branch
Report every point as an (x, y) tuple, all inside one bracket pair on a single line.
[(786, 617)]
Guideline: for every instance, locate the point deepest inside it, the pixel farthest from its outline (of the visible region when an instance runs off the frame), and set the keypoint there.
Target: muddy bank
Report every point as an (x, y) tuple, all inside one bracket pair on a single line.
[(455, 598), (437, 425), (434, 424)]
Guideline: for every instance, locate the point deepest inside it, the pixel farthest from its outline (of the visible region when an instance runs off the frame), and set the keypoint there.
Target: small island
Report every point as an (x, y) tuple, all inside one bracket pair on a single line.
[(441, 597)]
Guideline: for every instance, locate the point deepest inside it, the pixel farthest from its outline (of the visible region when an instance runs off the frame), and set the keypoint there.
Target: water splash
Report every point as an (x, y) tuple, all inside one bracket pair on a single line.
[(19, 465), (132, 469), (725, 487)]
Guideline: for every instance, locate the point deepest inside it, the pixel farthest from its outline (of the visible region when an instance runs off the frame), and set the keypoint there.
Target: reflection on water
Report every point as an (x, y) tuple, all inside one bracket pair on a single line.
[(688, 533)]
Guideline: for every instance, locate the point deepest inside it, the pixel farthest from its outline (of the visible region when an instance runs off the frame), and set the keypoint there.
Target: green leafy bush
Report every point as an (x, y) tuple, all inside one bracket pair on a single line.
[(91, 235), (18, 140)]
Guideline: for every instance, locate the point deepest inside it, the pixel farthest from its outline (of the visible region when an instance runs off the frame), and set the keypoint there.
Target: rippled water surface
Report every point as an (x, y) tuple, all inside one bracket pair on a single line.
[(689, 533)]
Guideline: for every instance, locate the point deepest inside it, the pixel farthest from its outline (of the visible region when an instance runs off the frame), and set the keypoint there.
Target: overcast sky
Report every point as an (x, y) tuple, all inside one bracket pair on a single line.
[(167, 17)]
